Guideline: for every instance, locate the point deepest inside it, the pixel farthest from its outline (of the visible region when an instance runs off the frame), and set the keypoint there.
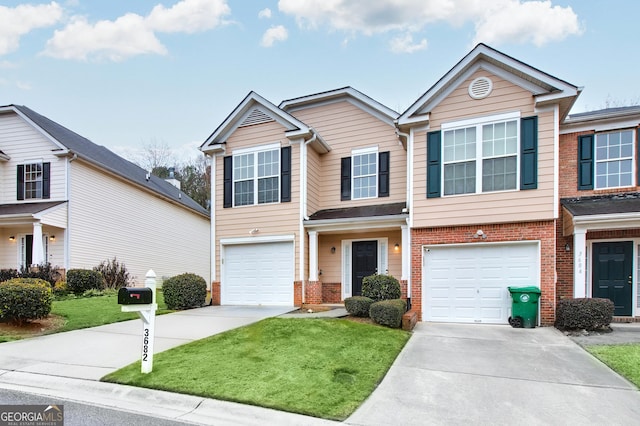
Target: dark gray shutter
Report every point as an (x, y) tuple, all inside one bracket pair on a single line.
[(285, 174), (46, 180), (638, 156), (345, 179), (20, 193), (585, 162), (529, 153), (227, 182), (383, 174), (433, 164)]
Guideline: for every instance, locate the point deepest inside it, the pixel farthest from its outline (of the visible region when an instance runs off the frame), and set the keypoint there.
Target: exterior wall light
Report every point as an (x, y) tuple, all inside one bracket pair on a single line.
[(52, 238), (12, 238), (396, 247), (333, 250)]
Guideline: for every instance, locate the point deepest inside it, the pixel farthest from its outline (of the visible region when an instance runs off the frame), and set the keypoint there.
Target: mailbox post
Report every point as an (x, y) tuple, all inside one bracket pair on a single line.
[(143, 301)]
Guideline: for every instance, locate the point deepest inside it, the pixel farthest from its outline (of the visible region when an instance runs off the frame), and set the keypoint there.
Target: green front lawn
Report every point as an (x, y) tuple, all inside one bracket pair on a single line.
[(319, 367), (74, 313), (623, 359)]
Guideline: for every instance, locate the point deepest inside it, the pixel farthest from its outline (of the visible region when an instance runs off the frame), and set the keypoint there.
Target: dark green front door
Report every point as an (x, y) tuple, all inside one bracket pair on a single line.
[(365, 263), (612, 274)]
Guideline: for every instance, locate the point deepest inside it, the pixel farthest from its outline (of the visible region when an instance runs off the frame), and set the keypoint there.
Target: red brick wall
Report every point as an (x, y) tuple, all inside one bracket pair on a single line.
[(331, 292), (313, 292), (544, 231), (215, 293), (297, 293)]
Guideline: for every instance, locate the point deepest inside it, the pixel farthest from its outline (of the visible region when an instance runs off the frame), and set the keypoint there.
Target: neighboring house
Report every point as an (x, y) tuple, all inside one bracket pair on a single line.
[(459, 197), (74, 204)]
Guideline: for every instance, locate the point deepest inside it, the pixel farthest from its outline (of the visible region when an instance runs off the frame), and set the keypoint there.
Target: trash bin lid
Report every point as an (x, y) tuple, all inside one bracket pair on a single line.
[(529, 289)]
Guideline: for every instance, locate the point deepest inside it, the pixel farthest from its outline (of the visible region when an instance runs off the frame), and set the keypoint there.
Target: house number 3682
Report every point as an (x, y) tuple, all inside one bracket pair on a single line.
[(145, 344)]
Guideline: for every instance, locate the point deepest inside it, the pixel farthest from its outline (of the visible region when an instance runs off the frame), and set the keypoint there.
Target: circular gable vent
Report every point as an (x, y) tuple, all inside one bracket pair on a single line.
[(480, 88)]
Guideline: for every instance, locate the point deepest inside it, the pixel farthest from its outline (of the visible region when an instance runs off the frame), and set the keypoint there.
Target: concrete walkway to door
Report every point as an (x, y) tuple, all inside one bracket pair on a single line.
[(450, 374)]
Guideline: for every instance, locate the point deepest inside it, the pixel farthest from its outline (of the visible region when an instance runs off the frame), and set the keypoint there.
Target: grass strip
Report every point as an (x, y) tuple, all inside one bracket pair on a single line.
[(623, 359), (319, 367)]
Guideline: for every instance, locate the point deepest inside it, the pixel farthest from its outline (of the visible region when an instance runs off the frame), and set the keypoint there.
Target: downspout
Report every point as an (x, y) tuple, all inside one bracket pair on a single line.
[(303, 204), (407, 244)]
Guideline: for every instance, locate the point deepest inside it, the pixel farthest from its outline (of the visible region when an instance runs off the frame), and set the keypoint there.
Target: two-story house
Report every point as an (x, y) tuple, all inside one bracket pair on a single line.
[(459, 197), (71, 203)]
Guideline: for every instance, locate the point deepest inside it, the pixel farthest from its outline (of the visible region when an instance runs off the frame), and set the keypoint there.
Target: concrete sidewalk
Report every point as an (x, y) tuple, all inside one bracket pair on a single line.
[(450, 374)]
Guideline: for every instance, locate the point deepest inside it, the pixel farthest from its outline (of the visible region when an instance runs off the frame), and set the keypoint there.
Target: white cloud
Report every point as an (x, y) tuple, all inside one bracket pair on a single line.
[(23, 85), (496, 21), (20, 20), (537, 22), (405, 44), (274, 34), (7, 65), (132, 34), (265, 13)]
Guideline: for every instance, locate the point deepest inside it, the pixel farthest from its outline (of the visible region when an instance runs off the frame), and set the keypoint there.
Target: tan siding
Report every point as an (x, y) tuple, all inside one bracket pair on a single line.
[(314, 182), (494, 207), (22, 143), (270, 219), (159, 236), (56, 217), (346, 127)]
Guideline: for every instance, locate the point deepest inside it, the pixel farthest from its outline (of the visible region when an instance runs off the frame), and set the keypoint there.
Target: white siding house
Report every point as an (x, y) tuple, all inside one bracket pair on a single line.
[(69, 202)]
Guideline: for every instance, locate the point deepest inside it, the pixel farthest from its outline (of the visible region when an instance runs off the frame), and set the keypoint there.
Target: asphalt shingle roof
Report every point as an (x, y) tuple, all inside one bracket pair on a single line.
[(603, 204), (360, 211), (108, 160)]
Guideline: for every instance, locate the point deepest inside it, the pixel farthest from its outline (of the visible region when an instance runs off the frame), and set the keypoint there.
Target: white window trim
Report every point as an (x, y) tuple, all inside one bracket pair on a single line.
[(255, 150), (479, 122), (633, 158), (358, 152)]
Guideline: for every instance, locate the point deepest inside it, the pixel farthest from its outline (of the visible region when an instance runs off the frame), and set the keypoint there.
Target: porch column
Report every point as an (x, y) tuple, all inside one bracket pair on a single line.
[(313, 256), (37, 254), (406, 252), (579, 267)]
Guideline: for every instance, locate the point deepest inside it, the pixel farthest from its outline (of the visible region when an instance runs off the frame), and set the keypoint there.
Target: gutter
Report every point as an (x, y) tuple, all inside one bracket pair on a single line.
[(303, 204)]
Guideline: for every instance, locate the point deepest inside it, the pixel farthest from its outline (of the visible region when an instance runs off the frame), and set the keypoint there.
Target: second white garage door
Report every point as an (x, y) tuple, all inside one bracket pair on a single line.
[(468, 283), (258, 274)]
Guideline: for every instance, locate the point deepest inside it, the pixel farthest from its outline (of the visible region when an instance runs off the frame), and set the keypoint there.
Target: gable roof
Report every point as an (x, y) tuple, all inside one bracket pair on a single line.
[(71, 143), (546, 89), (348, 94), (254, 109)]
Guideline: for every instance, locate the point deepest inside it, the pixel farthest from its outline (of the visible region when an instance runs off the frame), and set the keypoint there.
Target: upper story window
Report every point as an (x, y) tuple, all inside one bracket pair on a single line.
[(33, 181), (365, 174), (257, 176), (614, 159), (498, 153), (481, 158)]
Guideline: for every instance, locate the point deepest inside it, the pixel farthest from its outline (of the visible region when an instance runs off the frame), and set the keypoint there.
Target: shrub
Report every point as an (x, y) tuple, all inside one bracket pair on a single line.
[(388, 312), (24, 299), (381, 287), (184, 291), (81, 280), (44, 271), (8, 274), (114, 273), (358, 306), (60, 289), (584, 314)]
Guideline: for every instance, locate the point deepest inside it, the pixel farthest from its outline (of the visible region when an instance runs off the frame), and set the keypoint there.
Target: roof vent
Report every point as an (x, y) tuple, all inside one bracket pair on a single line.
[(256, 116), (480, 88)]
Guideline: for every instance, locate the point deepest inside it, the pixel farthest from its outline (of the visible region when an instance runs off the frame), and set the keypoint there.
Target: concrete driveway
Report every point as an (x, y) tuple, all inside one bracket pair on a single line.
[(93, 352), (482, 374)]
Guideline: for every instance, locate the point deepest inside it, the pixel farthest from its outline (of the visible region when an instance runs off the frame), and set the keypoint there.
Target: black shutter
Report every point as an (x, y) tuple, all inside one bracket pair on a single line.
[(345, 179), (383, 174), (433, 164), (20, 182), (529, 153), (285, 174), (585, 162), (638, 157), (46, 181), (228, 182)]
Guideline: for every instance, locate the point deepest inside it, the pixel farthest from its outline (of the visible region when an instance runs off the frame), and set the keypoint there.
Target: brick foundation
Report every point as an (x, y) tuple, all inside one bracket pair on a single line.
[(313, 292), (543, 231), (215, 293), (331, 292), (297, 293)]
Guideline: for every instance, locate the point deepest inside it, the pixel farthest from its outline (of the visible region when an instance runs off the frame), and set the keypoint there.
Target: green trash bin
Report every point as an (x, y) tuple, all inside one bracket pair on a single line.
[(524, 308)]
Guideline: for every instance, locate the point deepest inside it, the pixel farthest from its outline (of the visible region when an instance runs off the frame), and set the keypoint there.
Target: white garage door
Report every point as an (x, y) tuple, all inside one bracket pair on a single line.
[(258, 274), (468, 283)]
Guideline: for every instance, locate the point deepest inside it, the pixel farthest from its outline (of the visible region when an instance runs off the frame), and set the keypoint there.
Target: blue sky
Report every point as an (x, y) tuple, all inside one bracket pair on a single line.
[(126, 74)]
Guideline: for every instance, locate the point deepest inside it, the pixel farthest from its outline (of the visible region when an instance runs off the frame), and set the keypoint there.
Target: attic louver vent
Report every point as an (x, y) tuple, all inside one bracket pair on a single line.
[(256, 117), (480, 88)]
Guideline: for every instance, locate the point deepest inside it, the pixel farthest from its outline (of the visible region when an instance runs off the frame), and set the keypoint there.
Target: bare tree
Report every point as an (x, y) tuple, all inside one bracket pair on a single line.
[(155, 155)]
